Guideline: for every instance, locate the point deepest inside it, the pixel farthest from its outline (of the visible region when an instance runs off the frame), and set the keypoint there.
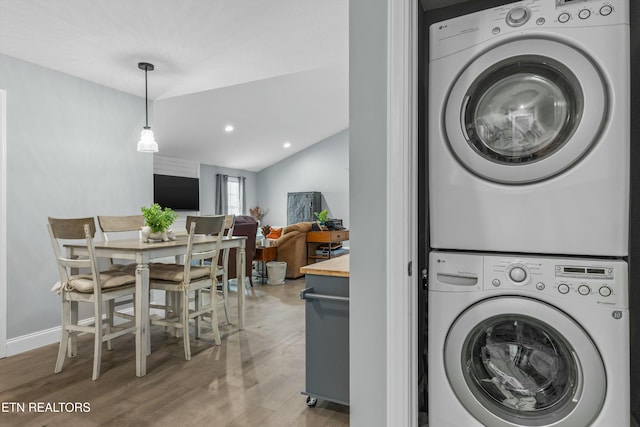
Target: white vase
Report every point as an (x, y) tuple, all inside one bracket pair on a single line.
[(164, 236)]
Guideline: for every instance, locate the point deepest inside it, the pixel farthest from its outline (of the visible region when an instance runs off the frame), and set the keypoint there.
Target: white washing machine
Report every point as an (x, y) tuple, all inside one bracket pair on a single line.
[(529, 129), (522, 341)]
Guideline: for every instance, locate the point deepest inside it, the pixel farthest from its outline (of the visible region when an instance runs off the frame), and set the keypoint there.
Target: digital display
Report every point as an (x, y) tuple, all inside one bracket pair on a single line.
[(584, 272), (563, 2)]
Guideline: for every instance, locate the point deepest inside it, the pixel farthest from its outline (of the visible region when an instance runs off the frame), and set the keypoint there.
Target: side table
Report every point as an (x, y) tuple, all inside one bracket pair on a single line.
[(331, 239), (265, 254)]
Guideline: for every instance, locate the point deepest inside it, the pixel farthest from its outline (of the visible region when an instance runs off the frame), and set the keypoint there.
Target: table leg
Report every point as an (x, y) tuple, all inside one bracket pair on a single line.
[(240, 274), (142, 317)]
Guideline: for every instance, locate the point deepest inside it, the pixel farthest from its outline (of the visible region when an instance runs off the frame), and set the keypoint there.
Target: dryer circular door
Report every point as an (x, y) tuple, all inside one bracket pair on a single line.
[(525, 111), (509, 366)]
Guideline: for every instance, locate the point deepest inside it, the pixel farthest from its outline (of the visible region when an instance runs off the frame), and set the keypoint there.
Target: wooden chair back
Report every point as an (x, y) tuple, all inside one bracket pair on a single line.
[(229, 221), (121, 223), (74, 229), (207, 225)]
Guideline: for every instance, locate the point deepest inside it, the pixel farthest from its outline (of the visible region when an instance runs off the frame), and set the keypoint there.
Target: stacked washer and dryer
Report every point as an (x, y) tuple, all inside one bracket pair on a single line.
[(529, 124)]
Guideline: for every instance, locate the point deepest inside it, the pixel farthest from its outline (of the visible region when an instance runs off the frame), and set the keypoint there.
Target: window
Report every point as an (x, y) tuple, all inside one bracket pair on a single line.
[(234, 197), (230, 195)]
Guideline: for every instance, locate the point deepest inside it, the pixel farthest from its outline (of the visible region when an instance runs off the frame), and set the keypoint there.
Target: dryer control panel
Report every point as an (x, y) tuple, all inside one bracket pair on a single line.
[(584, 280), (524, 17)]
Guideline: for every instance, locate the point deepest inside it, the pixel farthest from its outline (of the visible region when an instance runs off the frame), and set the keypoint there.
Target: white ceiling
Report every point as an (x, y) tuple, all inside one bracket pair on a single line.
[(275, 69)]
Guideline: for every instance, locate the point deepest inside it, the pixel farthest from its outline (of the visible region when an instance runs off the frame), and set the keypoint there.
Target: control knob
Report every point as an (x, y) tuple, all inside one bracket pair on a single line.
[(563, 288), (564, 17), (605, 291), (584, 14), (584, 290), (606, 10), (518, 16), (518, 274)]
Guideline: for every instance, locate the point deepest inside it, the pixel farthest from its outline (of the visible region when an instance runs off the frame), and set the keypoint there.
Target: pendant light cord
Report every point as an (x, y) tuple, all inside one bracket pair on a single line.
[(146, 101)]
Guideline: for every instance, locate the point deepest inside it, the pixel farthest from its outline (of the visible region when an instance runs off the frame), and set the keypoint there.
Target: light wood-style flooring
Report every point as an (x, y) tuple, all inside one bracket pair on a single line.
[(253, 379)]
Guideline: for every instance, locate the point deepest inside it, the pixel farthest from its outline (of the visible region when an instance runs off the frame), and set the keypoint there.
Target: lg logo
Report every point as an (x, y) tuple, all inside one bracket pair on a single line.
[(616, 314), (442, 27)]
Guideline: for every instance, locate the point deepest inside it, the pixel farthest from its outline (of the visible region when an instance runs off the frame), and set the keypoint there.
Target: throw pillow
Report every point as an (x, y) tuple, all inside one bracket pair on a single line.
[(275, 233)]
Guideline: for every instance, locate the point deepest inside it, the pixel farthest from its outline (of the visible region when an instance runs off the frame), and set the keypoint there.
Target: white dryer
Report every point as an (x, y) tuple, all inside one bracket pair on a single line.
[(522, 341), (529, 124)]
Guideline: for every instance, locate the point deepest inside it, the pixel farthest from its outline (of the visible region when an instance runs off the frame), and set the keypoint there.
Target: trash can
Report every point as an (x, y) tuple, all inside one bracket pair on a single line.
[(276, 271)]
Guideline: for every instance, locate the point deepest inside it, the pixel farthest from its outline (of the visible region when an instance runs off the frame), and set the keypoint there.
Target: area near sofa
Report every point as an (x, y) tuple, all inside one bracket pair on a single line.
[(294, 246)]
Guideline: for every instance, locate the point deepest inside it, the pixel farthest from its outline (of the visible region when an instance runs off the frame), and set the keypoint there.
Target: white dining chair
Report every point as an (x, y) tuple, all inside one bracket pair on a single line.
[(89, 286), (120, 225), (222, 270), (191, 277)]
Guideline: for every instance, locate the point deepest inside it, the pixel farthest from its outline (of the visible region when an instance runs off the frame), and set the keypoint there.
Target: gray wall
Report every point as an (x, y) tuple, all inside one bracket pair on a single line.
[(322, 167), (368, 204), (208, 187), (71, 152)]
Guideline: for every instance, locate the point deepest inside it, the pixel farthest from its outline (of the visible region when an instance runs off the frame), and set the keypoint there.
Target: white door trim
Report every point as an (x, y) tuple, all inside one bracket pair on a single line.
[(3, 223), (402, 351)]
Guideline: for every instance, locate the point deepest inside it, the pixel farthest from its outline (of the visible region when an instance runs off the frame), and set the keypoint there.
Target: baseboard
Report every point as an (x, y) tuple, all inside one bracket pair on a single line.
[(45, 337), (34, 340)]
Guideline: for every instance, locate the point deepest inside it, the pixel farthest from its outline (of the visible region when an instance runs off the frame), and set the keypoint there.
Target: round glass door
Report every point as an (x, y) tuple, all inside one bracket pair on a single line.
[(520, 366), (522, 110), (525, 111), (508, 367)]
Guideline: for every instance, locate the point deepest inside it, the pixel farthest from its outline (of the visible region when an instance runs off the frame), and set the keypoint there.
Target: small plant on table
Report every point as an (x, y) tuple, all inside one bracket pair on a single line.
[(158, 221)]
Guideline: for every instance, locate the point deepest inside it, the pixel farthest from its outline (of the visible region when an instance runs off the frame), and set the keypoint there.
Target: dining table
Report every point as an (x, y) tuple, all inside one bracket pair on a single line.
[(142, 252)]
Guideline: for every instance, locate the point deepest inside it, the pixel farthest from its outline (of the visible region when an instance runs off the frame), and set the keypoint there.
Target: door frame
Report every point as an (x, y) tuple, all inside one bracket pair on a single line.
[(402, 230), (3, 223)]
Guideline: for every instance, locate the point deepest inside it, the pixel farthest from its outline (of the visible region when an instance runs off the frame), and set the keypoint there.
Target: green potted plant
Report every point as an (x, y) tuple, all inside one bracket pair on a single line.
[(322, 216), (157, 223)]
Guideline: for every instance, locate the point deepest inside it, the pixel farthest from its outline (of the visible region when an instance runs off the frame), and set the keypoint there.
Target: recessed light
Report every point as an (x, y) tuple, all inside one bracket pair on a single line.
[(228, 128), (286, 145)]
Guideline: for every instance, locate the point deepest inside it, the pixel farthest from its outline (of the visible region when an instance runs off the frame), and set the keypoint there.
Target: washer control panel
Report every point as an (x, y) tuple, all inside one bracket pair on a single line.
[(580, 279), (596, 282), (552, 12)]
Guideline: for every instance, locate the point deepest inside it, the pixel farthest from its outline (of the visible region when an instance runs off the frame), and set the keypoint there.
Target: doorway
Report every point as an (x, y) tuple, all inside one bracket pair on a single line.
[(3, 223)]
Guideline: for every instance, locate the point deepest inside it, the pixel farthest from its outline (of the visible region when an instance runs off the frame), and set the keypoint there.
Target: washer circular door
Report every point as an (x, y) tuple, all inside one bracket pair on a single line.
[(525, 111), (509, 366)]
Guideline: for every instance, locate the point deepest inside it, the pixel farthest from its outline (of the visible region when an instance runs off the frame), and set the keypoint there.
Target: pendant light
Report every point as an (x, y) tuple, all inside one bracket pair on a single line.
[(147, 143)]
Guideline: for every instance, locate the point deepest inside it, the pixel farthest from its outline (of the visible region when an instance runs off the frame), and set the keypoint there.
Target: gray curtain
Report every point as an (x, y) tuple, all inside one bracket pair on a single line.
[(243, 196), (222, 204)]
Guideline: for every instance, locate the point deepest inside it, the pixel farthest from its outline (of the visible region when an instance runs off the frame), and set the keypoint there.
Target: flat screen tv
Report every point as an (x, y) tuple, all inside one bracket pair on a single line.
[(176, 192)]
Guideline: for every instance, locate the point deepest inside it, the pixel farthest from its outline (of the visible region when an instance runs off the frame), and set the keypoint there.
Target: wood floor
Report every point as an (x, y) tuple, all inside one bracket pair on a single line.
[(253, 379)]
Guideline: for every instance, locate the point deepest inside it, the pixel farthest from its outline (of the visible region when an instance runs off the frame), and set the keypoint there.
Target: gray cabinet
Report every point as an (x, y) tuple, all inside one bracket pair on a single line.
[(326, 338), (301, 206)]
